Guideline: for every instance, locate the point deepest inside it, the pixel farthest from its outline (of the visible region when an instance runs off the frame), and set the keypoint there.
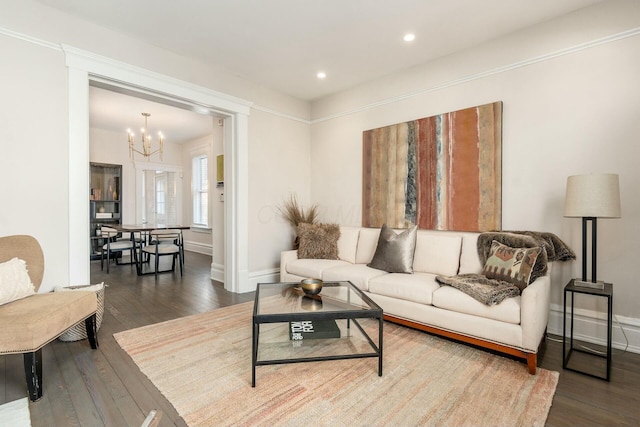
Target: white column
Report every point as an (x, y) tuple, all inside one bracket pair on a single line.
[(79, 245)]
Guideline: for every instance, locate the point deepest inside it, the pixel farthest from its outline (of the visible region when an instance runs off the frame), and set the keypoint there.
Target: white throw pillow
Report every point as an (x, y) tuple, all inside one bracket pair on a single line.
[(15, 282)]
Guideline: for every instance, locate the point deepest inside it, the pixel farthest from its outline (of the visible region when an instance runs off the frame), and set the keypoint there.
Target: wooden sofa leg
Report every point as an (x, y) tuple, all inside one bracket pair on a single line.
[(33, 373), (92, 333), (532, 362)]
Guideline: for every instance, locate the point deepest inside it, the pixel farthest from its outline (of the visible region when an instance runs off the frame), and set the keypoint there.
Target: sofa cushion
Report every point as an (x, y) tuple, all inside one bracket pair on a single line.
[(367, 243), (312, 268), (15, 282), (348, 243), (452, 299), (417, 287), (318, 241), (358, 274), (469, 260), (437, 253), (394, 252), (513, 265)]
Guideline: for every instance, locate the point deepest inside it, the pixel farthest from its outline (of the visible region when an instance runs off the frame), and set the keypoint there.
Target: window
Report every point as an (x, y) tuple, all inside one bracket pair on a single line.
[(200, 181)]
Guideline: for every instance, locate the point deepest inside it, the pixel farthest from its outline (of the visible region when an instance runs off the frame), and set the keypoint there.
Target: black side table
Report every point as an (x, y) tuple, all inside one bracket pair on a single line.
[(572, 289)]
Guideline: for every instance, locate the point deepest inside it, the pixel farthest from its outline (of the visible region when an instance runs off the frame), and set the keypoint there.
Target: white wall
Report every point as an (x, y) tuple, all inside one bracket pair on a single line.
[(279, 165), (565, 113), (34, 152), (35, 124)]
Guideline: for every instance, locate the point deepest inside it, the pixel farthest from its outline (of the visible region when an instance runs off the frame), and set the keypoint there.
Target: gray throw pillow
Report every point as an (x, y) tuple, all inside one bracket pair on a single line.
[(394, 253)]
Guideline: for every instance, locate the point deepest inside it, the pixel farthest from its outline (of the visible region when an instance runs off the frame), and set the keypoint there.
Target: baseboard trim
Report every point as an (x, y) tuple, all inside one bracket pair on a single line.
[(591, 326), (200, 248), (217, 272), (264, 276)]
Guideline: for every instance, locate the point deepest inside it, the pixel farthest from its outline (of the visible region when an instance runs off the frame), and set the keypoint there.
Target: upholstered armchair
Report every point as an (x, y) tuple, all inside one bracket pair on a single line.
[(31, 322)]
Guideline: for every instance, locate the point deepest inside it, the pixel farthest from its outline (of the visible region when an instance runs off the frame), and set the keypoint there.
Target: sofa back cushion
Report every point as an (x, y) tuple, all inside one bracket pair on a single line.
[(348, 243), (437, 253), (469, 259), (367, 244)]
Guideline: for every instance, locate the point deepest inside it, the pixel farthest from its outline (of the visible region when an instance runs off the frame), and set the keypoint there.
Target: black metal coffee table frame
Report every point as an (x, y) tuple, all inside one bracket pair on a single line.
[(349, 312)]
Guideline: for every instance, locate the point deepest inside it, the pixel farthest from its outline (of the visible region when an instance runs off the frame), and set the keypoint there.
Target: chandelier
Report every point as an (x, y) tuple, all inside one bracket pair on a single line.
[(146, 141)]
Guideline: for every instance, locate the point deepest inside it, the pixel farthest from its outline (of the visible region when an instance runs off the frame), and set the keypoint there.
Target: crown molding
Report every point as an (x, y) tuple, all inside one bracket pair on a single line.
[(30, 39), (454, 82)]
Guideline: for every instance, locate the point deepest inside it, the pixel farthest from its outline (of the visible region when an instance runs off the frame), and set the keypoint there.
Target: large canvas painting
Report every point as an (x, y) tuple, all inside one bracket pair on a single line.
[(441, 173)]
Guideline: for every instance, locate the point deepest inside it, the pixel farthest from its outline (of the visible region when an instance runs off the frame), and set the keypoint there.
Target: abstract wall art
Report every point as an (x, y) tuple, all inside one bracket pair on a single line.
[(441, 173)]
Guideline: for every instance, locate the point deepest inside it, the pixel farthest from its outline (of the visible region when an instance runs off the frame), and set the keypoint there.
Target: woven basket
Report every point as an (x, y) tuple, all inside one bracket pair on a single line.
[(79, 331)]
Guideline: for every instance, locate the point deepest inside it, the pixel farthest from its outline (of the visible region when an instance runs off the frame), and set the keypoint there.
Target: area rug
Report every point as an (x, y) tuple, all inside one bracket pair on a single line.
[(15, 414), (202, 365)]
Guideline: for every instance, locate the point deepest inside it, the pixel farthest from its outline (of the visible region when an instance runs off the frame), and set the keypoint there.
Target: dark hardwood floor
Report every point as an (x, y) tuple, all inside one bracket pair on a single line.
[(83, 387)]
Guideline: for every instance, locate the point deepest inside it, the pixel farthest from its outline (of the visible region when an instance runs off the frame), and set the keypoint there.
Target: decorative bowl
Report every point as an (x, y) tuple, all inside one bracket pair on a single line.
[(311, 286)]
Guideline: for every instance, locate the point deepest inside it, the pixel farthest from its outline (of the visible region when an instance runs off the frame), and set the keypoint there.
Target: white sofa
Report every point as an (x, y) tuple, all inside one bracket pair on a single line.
[(516, 326)]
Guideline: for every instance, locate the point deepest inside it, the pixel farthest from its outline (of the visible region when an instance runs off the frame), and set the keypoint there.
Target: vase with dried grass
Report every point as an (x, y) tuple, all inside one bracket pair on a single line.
[(295, 214)]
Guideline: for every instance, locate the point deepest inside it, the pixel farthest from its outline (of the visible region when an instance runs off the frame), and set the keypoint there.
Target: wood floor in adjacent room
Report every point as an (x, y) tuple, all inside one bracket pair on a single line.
[(83, 387)]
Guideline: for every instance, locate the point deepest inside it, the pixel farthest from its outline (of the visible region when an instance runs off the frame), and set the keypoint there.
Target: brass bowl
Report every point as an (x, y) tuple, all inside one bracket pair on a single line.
[(311, 286)]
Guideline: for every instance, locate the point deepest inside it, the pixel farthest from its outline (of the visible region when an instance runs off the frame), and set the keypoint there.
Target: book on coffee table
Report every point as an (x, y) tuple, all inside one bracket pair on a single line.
[(313, 329)]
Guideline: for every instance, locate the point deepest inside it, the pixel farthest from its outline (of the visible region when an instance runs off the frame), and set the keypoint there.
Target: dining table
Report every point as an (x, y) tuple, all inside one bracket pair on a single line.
[(144, 229)]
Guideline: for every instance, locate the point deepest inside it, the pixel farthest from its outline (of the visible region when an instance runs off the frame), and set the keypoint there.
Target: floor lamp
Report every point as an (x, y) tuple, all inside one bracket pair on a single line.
[(591, 197)]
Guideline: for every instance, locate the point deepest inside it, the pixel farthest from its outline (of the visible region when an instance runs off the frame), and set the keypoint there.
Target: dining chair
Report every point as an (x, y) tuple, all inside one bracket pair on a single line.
[(165, 243), (114, 245)]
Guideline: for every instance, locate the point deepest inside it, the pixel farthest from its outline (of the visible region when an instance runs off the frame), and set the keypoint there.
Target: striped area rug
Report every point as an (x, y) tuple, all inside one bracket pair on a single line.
[(202, 364)]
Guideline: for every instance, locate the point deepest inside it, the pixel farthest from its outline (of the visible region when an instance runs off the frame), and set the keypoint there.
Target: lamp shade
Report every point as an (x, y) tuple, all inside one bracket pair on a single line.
[(593, 195)]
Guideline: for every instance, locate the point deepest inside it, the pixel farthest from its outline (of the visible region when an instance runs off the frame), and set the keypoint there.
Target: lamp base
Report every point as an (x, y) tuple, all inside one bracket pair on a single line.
[(584, 284)]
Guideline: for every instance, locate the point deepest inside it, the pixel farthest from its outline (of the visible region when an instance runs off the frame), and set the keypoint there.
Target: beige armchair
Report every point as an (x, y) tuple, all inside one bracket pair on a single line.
[(28, 324)]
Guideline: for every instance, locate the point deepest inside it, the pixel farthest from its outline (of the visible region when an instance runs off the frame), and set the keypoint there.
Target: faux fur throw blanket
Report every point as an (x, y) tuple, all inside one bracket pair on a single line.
[(556, 249), (487, 291)]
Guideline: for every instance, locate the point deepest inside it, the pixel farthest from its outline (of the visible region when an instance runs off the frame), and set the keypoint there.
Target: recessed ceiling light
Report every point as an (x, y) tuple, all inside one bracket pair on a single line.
[(321, 74), (409, 37)]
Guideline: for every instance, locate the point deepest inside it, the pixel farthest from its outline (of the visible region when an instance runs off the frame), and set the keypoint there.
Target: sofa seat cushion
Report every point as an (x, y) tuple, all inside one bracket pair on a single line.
[(449, 298), (312, 268), (358, 274), (30, 323), (416, 287)]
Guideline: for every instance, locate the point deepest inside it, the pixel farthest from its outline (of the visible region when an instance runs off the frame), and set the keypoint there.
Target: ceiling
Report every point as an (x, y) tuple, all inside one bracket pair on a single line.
[(282, 44), (115, 111)]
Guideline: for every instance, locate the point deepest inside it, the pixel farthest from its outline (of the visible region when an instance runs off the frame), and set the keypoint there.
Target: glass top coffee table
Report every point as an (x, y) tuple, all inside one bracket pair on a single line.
[(291, 327)]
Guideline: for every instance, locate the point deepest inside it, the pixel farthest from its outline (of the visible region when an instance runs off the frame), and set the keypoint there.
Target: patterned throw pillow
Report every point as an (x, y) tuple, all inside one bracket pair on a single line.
[(318, 241), (394, 253), (511, 265)]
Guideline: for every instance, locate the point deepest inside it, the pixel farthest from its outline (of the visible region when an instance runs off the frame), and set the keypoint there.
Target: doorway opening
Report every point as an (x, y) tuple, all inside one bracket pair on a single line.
[(84, 69)]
